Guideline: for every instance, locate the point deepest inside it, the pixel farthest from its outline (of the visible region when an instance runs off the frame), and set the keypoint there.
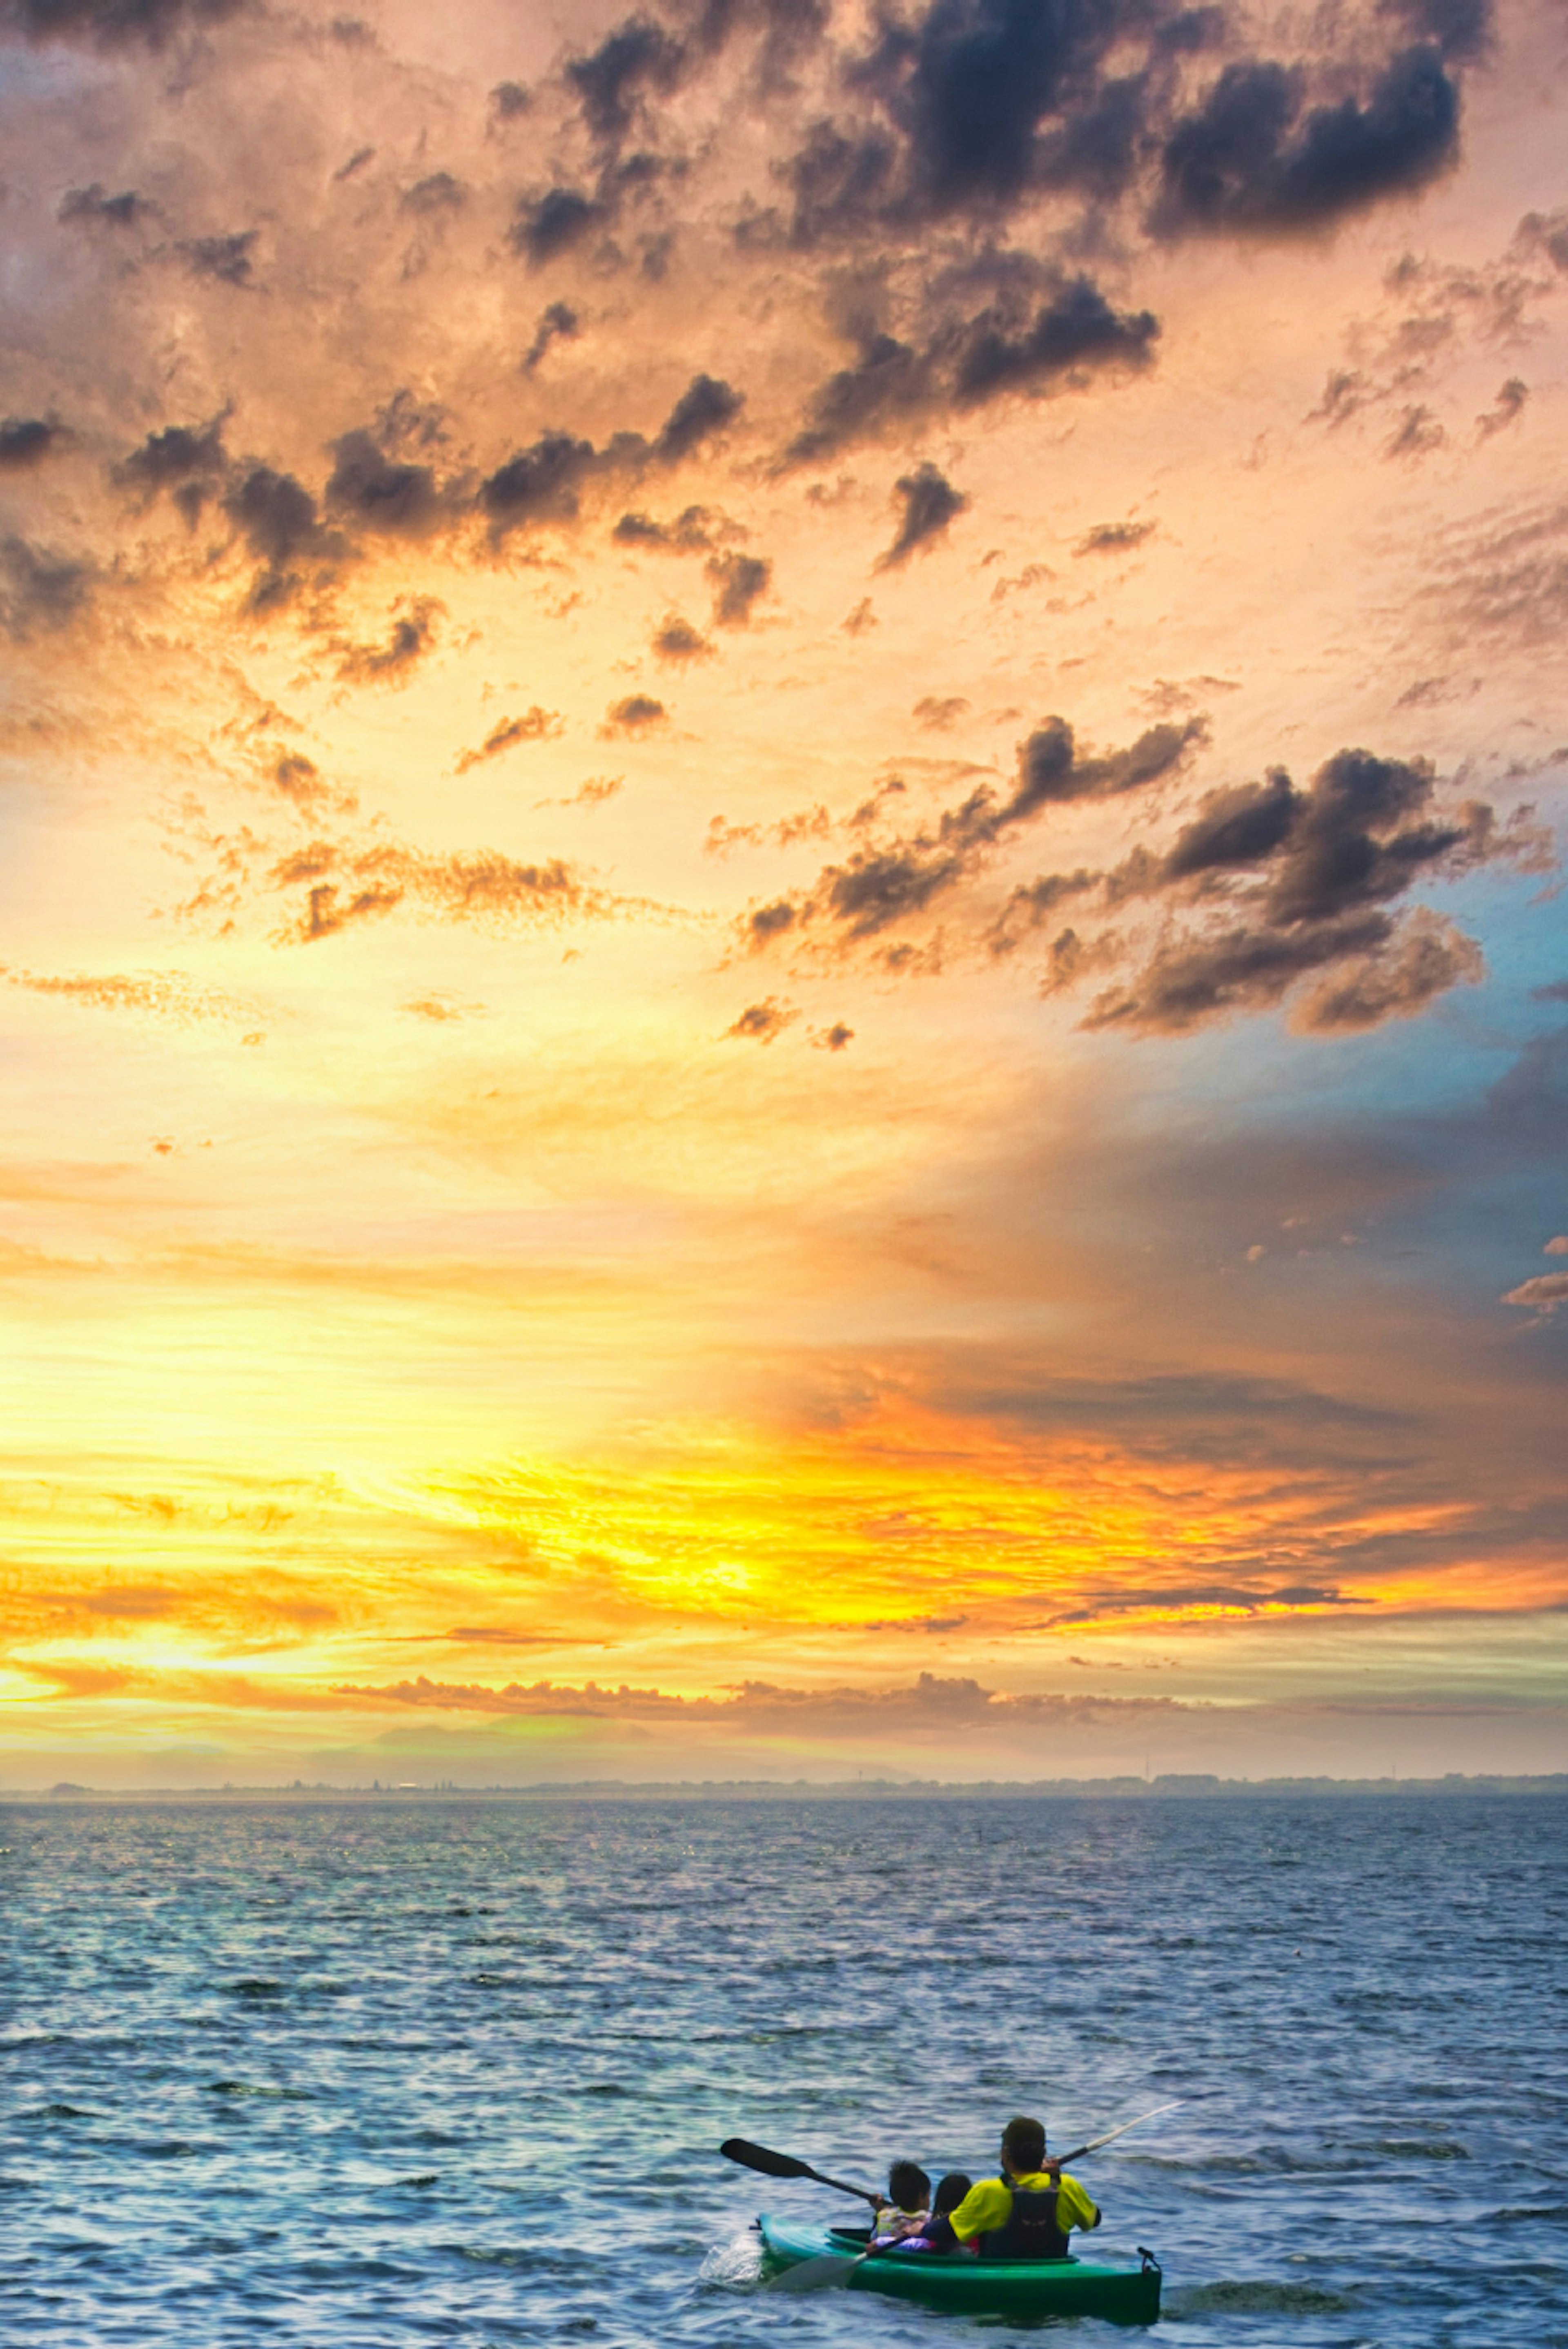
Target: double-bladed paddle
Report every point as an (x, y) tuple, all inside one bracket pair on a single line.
[(832, 2268), (784, 2165)]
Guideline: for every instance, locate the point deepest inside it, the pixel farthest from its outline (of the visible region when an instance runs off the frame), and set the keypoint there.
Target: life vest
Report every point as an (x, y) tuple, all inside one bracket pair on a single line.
[(1032, 2231)]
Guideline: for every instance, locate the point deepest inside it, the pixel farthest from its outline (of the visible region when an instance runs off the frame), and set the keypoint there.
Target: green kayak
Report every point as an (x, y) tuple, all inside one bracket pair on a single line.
[(966, 2286)]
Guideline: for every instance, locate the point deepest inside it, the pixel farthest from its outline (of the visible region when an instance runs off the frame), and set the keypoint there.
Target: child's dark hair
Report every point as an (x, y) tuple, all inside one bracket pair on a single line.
[(909, 2186), (950, 2192)]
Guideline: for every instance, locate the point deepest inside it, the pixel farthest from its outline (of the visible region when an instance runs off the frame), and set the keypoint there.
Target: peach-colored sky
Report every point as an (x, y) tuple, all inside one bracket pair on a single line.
[(782, 977)]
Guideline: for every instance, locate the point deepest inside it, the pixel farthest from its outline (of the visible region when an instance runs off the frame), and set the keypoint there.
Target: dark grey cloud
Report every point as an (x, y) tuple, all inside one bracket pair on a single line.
[(546, 225), (691, 532), (1256, 158), (558, 323), (90, 203), (188, 461), (1507, 406), (887, 882), (983, 77), (677, 640), (1115, 537), (539, 484), (930, 503), (509, 99), (639, 57), (276, 517), (543, 483), (1200, 978), (1007, 347), (397, 501), (841, 183), (115, 24), (226, 259), (41, 592), (1271, 889), (966, 112), (707, 406), (637, 713), (1461, 29), (1315, 868), (1077, 330), (1359, 834), (26, 440), (738, 581), (437, 193)]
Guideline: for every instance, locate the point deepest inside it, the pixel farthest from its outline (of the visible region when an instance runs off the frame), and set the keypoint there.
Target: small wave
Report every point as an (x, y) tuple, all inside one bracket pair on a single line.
[(250, 2088), (733, 2266), (59, 2113), (1257, 2297), (254, 1986), (1418, 2148)]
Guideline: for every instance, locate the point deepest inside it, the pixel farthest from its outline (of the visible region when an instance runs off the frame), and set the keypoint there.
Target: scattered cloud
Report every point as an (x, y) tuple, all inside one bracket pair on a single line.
[(930, 503), (677, 641), (1505, 409), (42, 591), (738, 581), (26, 440), (637, 713), (1115, 537), (938, 712), (1543, 1294), (412, 636), (535, 725), (558, 323), (927, 1703), (759, 1023)]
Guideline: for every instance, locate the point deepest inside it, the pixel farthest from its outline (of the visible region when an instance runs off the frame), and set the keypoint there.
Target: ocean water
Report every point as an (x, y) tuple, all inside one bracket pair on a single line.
[(332, 2073)]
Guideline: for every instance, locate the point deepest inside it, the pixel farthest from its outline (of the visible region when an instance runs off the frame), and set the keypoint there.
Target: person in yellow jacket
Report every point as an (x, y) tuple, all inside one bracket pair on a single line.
[(1027, 2213)]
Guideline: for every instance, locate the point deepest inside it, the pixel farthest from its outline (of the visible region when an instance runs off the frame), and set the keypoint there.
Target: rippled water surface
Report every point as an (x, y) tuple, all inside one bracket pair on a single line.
[(396, 2072)]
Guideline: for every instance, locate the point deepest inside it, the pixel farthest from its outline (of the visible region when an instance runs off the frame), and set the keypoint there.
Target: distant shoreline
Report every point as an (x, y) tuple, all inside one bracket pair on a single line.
[(1170, 1787)]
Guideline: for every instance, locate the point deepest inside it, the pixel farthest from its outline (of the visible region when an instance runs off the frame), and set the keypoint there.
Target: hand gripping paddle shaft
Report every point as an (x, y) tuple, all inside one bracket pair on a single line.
[(831, 2269)]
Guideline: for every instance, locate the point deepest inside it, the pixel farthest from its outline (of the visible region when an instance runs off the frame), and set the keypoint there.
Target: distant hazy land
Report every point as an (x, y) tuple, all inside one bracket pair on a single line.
[(1169, 1786)]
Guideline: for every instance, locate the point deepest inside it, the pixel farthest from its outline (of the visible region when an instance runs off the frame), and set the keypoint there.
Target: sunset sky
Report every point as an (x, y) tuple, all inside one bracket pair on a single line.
[(783, 976)]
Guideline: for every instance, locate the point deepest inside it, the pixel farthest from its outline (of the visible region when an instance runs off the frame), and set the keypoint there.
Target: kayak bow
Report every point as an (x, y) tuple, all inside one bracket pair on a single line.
[(991, 2287)]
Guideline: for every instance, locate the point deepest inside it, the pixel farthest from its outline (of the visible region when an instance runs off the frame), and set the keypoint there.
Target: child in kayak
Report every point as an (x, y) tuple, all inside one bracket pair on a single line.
[(908, 2204), (948, 2196)]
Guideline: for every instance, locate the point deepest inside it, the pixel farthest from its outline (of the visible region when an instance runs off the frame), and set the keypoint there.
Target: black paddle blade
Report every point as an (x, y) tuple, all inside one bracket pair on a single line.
[(757, 2157)]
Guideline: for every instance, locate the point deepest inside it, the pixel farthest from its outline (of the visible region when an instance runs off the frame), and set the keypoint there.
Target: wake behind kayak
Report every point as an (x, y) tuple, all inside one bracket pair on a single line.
[(965, 2286)]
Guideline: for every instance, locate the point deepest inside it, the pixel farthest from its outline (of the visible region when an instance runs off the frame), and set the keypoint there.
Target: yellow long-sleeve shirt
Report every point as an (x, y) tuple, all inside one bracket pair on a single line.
[(989, 2205)]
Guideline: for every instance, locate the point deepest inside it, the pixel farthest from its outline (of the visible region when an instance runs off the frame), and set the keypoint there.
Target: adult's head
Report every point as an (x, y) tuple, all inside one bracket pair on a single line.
[(908, 2185), (1023, 2146)]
